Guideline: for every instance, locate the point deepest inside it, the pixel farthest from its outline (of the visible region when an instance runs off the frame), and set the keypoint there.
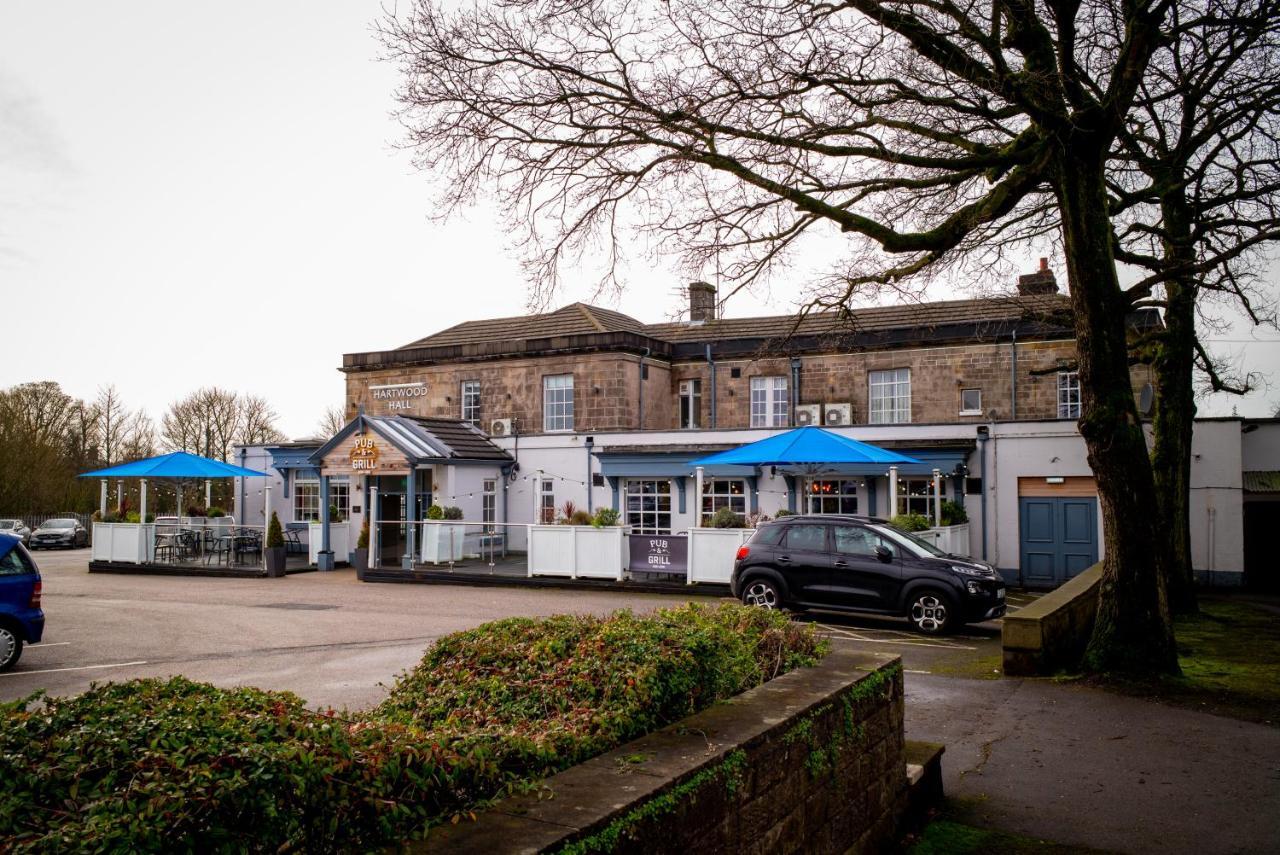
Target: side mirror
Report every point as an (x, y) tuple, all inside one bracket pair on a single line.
[(884, 554)]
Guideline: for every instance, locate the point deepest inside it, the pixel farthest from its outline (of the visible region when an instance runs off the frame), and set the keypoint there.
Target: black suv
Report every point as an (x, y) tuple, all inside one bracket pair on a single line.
[(863, 564)]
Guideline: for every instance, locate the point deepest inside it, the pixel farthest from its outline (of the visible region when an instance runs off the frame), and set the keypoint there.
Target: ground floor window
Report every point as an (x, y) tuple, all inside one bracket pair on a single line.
[(306, 497), (833, 497), (649, 506), (547, 503), (488, 502), (915, 496), (720, 493), (339, 498)]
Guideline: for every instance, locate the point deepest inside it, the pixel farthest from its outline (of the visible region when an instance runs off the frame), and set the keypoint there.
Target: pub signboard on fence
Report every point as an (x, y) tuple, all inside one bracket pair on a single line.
[(660, 553)]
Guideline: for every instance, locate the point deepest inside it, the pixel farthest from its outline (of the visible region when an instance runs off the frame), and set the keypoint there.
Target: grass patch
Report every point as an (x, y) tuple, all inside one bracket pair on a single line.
[(971, 667), (1230, 659), (947, 837)]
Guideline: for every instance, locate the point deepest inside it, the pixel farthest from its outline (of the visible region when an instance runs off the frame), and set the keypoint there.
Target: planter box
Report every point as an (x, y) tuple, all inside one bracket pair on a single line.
[(130, 543), (578, 552), (949, 538), (712, 552), (442, 542), (340, 541)]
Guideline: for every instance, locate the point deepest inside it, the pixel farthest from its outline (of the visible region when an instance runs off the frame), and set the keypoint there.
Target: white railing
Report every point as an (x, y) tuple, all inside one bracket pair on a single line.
[(340, 541), (127, 543), (949, 538), (712, 552), (579, 552)]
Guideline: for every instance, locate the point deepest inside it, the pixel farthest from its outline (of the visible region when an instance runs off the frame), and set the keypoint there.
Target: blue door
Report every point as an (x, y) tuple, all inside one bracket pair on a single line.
[(1059, 538)]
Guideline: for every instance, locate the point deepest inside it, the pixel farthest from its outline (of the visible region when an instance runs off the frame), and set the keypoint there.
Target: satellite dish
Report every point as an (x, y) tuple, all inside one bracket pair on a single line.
[(1146, 399)]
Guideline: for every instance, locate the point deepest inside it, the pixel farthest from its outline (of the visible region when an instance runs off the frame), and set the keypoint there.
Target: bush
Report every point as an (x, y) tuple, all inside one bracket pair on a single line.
[(453, 512), (362, 542), (910, 522), (605, 518), (152, 765), (579, 517), (435, 512), (727, 518), (335, 515), (953, 513), (216, 512), (195, 511), (275, 534), (784, 512)]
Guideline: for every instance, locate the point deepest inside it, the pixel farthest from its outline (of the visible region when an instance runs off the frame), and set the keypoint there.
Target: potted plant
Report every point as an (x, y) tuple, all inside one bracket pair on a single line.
[(442, 542), (360, 556), (275, 550)]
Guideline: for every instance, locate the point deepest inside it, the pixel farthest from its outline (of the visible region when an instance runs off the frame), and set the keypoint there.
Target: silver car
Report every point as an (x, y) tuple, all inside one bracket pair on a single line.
[(17, 528)]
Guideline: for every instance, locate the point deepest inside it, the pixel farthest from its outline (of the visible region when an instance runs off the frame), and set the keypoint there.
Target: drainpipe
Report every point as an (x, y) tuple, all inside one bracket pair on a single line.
[(590, 446), (1013, 378), (795, 389), (711, 364), (984, 434), (640, 425)]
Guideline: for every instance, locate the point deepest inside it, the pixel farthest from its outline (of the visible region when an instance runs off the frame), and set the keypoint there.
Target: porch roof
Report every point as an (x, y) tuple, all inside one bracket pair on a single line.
[(422, 441)]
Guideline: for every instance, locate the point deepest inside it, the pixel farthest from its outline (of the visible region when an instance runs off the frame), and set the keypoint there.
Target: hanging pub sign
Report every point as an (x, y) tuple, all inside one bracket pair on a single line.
[(659, 553), (364, 454)]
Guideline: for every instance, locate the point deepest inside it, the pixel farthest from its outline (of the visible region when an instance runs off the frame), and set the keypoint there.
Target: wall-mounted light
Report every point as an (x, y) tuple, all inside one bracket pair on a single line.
[(1055, 479)]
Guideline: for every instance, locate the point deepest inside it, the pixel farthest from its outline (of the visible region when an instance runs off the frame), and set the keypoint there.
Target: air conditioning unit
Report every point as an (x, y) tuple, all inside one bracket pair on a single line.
[(837, 415), (500, 427), (808, 414)]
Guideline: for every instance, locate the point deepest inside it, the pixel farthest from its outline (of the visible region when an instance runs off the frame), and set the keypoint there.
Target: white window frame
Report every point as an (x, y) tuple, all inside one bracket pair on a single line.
[(1068, 394), (915, 495), (340, 495), (469, 394), (770, 401), (720, 493), (690, 403), (547, 502), (308, 510), (557, 403), (886, 402), (489, 502), (970, 411), (647, 511)]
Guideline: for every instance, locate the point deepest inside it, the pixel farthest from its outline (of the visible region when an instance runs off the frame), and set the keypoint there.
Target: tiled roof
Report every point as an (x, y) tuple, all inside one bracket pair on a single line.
[(1261, 482), (574, 319), (457, 439), (580, 319)]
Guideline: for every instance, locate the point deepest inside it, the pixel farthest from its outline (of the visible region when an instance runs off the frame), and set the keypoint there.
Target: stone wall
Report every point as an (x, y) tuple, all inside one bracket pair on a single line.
[(607, 385), (1053, 632), (811, 762)]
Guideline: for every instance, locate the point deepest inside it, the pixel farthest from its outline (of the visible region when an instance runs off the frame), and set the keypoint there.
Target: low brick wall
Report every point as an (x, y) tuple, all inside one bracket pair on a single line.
[(812, 762), (1053, 631)]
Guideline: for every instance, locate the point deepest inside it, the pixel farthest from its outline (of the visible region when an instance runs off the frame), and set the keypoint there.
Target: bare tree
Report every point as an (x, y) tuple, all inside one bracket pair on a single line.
[(210, 421), (257, 422), (333, 420), (1196, 195), (920, 131)]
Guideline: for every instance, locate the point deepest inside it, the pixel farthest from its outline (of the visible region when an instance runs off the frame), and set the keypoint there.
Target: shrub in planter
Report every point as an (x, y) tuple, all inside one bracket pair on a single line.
[(453, 512), (953, 513), (335, 515), (216, 512), (605, 518), (195, 511), (727, 518), (151, 765), (275, 549), (784, 512), (360, 556), (435, 512), (578, 517), (911, 522)]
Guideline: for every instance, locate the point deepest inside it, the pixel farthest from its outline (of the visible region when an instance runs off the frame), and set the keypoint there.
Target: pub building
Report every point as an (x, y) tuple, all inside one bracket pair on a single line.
[(508, 419)]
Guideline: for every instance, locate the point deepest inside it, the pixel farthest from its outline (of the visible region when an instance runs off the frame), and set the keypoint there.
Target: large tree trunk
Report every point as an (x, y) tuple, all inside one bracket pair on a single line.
[(1132, 632), (1175, 410)]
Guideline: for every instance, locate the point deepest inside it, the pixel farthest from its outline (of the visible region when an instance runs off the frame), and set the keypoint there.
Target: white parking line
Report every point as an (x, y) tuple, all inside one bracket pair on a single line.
[(48, 644), (857, 637), (80, 668)]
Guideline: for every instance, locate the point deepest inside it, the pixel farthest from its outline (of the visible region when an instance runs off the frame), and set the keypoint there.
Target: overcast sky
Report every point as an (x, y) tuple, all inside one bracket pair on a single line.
[(210, 195)]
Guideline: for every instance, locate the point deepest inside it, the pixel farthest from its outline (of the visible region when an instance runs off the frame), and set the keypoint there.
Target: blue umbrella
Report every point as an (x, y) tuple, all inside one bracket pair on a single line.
[(805, 446), (179, 464)]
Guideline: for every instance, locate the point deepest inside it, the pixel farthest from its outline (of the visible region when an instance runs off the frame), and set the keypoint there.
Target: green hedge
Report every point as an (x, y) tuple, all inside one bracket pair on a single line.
[(176, 765)]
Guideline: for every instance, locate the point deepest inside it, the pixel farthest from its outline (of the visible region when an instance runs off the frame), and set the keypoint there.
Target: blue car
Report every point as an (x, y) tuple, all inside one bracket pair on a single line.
[(21, 620)]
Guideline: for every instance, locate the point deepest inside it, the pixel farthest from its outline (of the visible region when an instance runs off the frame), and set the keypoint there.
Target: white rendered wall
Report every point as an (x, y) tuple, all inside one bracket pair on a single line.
[(1216, 508)]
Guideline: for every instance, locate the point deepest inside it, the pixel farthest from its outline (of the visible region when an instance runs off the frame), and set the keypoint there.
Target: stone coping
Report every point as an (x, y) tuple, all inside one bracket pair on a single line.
[(588, 796), (1049, 632)]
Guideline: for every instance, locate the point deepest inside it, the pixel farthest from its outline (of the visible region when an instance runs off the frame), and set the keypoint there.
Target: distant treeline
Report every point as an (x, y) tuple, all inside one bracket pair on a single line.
[(47, 438)]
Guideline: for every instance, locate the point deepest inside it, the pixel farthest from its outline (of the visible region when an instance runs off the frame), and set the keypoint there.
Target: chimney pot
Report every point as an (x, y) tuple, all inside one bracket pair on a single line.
[(702, 302), (1041, 282)]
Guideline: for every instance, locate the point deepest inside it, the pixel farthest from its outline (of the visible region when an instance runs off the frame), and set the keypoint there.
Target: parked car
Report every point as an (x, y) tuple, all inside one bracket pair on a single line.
[(863, 564), (17, 528), (21, 620), (65, 532)]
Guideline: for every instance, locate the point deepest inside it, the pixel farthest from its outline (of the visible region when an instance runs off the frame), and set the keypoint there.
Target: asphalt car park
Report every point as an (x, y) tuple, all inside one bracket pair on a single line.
[(335, 641)]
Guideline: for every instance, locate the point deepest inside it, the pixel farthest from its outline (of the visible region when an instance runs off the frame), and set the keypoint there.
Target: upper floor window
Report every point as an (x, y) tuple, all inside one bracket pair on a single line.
[(1068, 395), (769, 401), (557, 402), (970, 402), (471, 401), (690, 403), (890, 396)]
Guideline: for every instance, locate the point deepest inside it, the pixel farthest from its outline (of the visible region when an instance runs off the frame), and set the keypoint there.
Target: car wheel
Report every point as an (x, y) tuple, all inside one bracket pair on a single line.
[(763, 593), (931, 612), (10, 647)]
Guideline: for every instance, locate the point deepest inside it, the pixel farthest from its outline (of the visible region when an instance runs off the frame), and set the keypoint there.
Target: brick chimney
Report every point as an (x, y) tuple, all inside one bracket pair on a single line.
[(1040, 282), (702, 302)]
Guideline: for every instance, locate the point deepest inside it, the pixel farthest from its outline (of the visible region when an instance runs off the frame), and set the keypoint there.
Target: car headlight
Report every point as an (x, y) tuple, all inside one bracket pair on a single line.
[(979, 572)]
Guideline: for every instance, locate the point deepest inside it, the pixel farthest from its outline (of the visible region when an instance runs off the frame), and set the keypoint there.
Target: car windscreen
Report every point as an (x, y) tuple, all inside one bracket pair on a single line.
[(4, 524), (915, 545), (59, 524)]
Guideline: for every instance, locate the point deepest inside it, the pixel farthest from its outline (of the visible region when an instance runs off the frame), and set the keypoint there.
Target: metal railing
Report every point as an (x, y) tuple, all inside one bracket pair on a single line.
[(446, 544)]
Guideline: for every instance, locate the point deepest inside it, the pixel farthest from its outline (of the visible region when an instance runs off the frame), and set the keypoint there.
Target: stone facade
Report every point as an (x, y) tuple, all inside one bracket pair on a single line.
[(607, 385)]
